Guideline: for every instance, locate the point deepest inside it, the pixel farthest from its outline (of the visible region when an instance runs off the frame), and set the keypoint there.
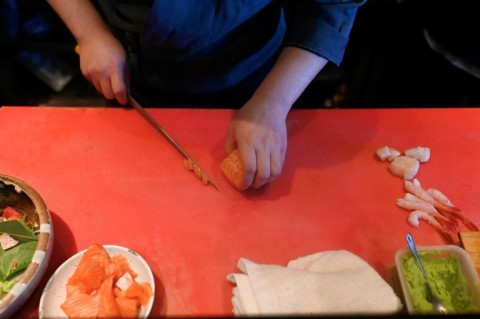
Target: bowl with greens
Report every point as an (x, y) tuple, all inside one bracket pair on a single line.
[(26, 242)]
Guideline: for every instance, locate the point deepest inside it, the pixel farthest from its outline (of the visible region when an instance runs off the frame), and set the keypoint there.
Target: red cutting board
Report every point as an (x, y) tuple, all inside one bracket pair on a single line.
[(108, 177)]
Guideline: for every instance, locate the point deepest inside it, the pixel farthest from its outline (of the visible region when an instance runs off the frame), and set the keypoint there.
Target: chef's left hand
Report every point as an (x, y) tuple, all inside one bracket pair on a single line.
[(260, 134), (259, 128)]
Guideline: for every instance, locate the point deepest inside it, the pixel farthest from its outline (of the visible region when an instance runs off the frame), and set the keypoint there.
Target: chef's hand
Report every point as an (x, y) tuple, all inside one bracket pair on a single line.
[(259, 128), (103, 61), (260, 134)]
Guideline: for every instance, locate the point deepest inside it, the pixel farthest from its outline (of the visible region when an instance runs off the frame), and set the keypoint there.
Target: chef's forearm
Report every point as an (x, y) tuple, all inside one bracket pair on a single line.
[(294, 70), (81, 18)]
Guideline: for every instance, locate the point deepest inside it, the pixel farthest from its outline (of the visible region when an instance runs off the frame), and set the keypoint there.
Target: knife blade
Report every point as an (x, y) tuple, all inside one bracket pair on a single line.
[(195, 167), (192, 165)]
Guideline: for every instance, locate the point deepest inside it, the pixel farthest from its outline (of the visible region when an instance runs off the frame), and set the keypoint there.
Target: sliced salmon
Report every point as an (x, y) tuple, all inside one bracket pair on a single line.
[(91, 269), (92, 291), (140, 292), (80, 305), (124, 265), (233, 169), (128, 307), (190, 165), (107, 306)]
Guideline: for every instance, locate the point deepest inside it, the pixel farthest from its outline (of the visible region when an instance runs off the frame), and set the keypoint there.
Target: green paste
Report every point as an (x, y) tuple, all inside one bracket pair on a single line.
[(446, 279)]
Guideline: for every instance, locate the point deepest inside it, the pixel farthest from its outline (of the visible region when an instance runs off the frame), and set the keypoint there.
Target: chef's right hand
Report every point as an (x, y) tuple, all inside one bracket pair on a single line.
[(103, 61)]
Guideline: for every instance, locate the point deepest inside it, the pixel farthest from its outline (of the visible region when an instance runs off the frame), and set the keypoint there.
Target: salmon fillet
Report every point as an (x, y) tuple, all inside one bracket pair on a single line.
[(234, 171), (92, 290)]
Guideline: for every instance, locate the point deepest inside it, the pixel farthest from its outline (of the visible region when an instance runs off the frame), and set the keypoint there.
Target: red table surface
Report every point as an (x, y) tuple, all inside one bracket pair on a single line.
[(108, 177)]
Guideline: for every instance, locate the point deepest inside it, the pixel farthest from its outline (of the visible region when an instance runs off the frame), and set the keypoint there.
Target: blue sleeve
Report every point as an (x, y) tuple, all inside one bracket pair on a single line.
[(321, 26)]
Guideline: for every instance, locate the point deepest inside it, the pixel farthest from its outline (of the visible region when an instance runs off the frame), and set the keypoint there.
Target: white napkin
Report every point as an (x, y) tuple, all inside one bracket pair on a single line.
[(330, 282)]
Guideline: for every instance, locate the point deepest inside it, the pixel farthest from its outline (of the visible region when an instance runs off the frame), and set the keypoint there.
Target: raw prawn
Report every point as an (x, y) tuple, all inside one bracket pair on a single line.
[(415, 204), (429, 208), (415, 215), (413, 219), (233, 169), (416, 182), (412, 203), (418, 191), (439, 196), (412, 198)]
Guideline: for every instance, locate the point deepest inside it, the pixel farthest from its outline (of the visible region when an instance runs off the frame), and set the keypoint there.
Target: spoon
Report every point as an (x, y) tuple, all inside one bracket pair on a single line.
[(437, 304)]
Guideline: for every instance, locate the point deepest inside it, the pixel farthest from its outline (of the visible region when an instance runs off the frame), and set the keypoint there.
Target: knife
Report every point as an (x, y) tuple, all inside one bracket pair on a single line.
[(192, 165)]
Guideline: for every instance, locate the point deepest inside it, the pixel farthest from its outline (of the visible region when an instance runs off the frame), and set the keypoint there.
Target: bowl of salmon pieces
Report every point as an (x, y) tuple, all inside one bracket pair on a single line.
[(26, 239), (102, 281)]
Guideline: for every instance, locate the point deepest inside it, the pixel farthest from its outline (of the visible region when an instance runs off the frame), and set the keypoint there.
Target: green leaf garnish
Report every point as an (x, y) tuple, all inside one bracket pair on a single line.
[(18, 230), (16, 259)]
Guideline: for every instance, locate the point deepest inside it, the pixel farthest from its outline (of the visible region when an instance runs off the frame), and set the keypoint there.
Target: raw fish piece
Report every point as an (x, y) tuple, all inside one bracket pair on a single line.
[(405, 167), (232, 168), (387, 153), (422, 154)]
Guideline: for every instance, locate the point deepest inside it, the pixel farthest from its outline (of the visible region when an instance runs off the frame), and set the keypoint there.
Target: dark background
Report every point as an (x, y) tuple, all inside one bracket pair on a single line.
[(387, 63)]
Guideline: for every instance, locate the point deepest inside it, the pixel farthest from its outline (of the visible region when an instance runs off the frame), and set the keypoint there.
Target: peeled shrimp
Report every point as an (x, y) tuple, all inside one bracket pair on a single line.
[(442, 208), (414, 216), (411, 202), (439, 196), (413, 219), (414, 204), (417, 190)]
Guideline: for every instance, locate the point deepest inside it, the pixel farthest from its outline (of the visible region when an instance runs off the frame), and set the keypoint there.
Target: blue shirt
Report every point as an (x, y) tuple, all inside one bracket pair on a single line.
[(206, 46)]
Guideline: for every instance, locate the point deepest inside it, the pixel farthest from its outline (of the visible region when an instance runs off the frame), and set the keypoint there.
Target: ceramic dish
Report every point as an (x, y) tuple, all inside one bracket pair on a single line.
[(466, 270), (54, 293), (24, 199)]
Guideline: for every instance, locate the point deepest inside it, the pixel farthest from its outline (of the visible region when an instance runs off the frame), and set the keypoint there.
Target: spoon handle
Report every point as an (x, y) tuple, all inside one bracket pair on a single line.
[(413, 248)]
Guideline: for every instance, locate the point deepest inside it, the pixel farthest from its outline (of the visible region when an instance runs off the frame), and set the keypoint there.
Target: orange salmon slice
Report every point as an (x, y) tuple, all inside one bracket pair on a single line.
[(91, 290), (234, 171)]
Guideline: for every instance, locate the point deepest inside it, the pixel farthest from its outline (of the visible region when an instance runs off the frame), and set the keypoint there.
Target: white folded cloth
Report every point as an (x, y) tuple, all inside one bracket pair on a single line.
[(329, 282)]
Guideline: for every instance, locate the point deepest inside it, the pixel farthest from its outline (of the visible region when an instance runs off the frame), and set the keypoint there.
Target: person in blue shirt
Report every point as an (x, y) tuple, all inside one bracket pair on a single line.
[(261, 54)]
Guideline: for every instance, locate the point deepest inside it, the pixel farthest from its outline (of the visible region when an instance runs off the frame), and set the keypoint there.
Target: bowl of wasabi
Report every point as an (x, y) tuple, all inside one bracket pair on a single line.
[(452, 276)]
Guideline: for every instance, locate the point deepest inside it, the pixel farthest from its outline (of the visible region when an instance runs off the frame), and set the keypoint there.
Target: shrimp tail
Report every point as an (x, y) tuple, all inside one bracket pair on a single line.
[(458, 213), (445, 233), (469, 224), (450, 226), (447, 219), (417, 190)]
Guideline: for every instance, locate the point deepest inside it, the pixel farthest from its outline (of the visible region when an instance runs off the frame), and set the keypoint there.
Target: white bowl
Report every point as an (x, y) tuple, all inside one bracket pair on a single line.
[(466, 268), (26, 200), (54, 293)]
